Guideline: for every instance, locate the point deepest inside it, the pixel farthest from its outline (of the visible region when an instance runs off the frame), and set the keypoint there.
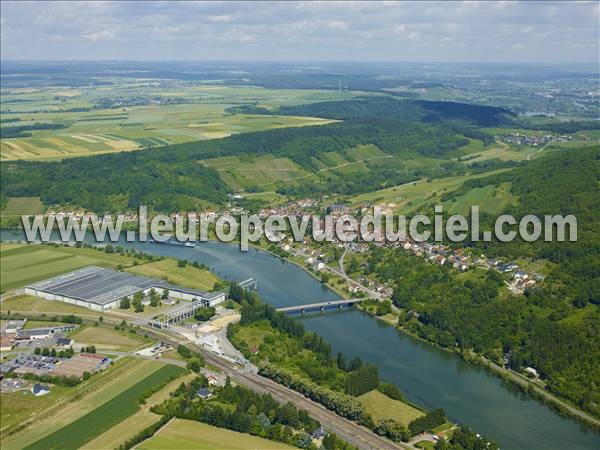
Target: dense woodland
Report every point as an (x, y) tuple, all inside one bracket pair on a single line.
[(554, 327), (239, 409), (405, 110)]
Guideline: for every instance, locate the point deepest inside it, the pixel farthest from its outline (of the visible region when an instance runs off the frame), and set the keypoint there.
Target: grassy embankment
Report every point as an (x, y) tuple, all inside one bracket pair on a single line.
[(191, 435)]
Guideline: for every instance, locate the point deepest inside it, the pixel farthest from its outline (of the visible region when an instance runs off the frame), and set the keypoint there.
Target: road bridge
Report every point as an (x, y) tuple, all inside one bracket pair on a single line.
[(321, 306)]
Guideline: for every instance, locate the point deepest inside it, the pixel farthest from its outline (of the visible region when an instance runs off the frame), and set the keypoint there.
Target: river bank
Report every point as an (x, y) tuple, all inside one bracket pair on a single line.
[(470, 394), (527, 386)]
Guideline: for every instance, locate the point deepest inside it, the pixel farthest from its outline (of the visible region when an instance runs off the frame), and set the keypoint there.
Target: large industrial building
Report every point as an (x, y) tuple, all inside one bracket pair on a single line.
[(102, 289)]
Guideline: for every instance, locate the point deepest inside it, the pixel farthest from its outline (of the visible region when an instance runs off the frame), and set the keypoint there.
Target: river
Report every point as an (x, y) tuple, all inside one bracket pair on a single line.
[(425, 374)]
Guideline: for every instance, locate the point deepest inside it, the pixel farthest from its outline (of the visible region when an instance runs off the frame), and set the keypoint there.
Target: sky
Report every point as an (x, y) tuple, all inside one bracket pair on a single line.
[(559, 32)]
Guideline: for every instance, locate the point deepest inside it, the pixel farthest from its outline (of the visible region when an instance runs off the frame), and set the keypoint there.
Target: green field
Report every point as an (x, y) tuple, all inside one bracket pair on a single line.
[(415, 196), (201, 115), (27, 303), (380, 406), (107, 339), (267, 170), (105, 416), (26, 418), (25, 264), (167, 269), (17, 206), (262, 170), (490, 199), (191, 435)]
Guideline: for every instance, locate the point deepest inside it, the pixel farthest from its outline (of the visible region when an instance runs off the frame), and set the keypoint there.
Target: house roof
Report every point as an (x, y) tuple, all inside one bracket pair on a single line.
[(203, 392), (39, 388), (102, 286)]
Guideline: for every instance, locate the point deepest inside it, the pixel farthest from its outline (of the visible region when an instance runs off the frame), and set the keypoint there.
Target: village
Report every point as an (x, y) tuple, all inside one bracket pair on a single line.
[(461, 259)]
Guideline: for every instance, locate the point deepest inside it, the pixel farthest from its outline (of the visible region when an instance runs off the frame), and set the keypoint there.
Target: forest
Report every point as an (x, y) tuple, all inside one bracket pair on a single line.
[(406, 110), (239, 409), (555, 326)]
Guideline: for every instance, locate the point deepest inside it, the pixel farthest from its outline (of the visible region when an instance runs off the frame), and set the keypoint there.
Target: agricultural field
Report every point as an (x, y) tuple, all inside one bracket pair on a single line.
[(254, 171), (17, 206), (105, 416), (45, 261), (191, 435), (380, 406), (20, 411), (82, 418), (410, 197), (142, 419), (490, 199), (107, 339), (265, 171), (133, 115), (167, 269)]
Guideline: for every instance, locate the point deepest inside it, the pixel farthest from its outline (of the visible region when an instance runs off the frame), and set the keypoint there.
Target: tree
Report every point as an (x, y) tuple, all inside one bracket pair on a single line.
[(204, 314), (125, 303), (137, 302), (154, 299), (181, 263), (184, 351), (383, 308)]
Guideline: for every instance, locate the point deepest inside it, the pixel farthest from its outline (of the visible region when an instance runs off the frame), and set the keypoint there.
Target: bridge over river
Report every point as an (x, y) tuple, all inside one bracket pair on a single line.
[(322, 306)]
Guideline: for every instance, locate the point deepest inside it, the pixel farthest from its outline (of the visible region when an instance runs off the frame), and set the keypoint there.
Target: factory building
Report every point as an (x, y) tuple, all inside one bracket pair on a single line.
[(102, 289)]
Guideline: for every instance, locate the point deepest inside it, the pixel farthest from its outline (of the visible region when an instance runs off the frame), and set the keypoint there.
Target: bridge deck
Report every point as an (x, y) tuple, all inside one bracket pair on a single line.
[(320, 305)]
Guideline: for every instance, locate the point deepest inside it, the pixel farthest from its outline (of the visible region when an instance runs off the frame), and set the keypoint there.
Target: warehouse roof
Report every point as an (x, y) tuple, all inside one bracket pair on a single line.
[(102, 286)]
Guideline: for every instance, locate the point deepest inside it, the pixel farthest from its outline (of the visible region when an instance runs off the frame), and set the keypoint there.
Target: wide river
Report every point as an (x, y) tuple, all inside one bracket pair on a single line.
[(426, 375)]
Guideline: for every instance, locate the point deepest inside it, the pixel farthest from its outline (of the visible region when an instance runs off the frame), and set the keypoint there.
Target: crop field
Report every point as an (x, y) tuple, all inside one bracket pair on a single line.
[(107, 339), (45, 261), (262, 170), (132, 425), (26, 419), (104, 416), (380, 406), (490, 199), (192, 435), (17, 206), (265, 171), (186, 276), (134, 115), (416, 195)]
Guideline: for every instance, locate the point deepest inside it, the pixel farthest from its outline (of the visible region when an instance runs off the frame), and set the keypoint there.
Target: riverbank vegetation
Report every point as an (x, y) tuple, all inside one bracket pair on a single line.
[(554, 327), (285, 352), (239, 409)]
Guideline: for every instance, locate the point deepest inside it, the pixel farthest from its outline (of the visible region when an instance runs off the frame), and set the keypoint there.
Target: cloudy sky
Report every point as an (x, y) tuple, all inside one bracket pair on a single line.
[(301, 31)]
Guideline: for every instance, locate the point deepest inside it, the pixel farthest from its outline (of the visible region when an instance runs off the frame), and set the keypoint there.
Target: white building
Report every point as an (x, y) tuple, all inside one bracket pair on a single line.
[(102, 289)]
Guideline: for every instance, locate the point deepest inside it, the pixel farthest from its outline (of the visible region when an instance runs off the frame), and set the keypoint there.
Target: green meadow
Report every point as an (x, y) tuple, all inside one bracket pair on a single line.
[(105, 416), (24, 264)]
